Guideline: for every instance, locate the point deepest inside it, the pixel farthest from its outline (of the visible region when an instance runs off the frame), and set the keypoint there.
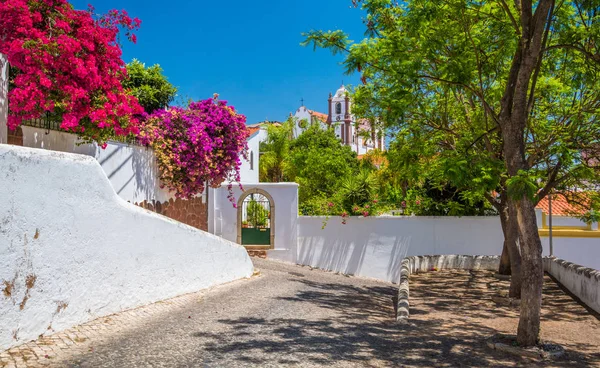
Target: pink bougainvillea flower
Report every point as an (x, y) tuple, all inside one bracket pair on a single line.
[(197, 146), (68, 63)]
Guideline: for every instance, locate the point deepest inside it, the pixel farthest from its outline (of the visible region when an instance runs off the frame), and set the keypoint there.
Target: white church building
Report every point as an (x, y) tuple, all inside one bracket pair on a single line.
[(353, 132)]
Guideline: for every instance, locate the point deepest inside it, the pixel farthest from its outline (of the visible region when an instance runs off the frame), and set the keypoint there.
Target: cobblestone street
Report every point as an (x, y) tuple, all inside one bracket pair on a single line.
[(296, 316)]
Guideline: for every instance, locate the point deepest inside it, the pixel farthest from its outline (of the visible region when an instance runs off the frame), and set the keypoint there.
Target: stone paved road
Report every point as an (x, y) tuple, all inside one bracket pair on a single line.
[(295, 316), (288, 315)]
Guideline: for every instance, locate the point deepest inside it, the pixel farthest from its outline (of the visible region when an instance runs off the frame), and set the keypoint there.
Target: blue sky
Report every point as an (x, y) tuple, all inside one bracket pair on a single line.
[(247, 51)]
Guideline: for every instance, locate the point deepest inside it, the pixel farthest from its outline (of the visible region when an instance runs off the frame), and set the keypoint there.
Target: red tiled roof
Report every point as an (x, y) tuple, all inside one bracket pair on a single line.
[(562, 206), (318, 115), (252, 130)]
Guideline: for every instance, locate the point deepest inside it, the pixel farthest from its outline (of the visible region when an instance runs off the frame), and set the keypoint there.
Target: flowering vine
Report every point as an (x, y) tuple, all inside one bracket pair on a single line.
[(197, 146), (67, 63)]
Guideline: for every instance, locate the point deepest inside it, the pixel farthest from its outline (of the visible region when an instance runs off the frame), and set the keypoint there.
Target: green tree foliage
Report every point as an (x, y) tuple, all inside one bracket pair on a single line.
[(358, 190), (149, 85), (489, 82), (275, 152), (318, 162), (257, 215)]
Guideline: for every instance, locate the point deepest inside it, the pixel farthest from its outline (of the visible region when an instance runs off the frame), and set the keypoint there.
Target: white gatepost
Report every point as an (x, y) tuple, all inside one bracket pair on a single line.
[(3, 98)]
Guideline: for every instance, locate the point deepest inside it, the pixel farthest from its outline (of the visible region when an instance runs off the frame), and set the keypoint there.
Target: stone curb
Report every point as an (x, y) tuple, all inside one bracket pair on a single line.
[(436, 262), (533, 352)]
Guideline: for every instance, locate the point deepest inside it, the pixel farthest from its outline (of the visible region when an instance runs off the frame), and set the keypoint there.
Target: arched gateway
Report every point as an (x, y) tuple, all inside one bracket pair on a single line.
[(256, 219)]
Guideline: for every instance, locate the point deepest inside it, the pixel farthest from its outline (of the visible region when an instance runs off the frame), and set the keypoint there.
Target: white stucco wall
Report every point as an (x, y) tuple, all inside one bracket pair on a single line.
[(567, 221), (72, 250), (248, 170), (3, 97), (581, 281), (131, 169), (55, 141), (582, 251), (222, 217), (375, 246)]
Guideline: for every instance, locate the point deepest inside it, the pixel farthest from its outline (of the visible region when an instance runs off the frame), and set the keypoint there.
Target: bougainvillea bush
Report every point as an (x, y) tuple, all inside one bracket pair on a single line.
[(67, 63), (197, 146)]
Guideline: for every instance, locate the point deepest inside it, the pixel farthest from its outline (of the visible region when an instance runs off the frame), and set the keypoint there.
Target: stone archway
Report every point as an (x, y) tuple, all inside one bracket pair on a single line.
[(240, 209)]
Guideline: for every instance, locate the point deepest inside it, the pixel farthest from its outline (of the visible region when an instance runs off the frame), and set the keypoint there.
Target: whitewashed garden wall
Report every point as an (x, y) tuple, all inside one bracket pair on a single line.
[(222, 216), (72, 250), (375, 246)]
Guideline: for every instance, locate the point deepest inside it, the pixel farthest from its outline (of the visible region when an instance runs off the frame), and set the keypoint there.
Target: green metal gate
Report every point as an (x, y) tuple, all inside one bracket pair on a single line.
[(256, 220)]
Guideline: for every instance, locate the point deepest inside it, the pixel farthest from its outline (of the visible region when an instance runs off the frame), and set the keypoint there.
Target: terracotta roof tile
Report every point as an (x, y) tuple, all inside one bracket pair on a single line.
[(562, 206), (318, 115), (252, 130)]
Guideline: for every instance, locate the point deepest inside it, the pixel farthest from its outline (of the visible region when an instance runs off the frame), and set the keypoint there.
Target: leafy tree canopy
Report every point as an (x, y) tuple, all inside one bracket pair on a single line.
[(149, 85)]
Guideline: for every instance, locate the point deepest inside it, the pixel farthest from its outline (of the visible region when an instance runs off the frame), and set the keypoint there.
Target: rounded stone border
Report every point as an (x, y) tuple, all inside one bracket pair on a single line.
[(544, 351), (416, 264)]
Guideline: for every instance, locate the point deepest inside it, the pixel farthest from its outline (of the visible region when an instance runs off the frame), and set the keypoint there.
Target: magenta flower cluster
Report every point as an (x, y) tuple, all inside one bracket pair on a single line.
[(69, 64), (197, 146)]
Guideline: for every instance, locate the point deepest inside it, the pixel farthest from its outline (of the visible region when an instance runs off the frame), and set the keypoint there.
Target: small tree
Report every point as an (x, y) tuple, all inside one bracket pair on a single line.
[(319, 162), (275, 152), (149, 86), (257, 215)]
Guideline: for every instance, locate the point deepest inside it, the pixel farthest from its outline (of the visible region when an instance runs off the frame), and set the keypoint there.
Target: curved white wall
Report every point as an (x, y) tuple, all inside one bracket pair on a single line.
[(375, 246), (71, 250)]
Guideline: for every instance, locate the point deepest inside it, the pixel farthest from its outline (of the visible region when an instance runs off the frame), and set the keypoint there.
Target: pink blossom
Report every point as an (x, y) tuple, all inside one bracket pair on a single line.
[(75, 81), (197, 146)]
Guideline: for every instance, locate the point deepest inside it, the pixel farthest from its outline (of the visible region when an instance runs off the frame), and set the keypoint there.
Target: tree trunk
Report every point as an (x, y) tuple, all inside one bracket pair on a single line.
[(504, 268), (510, 251), (532, 274), (512, 244)]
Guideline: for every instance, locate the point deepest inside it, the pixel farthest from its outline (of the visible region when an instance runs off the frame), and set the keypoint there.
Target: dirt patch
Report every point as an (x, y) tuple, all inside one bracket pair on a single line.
[(29, 284), (458, 309), (8, 288), (60, 306)]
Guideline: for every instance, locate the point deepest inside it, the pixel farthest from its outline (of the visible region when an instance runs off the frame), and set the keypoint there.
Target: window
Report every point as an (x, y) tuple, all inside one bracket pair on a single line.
[(338, 108), (251, 160)]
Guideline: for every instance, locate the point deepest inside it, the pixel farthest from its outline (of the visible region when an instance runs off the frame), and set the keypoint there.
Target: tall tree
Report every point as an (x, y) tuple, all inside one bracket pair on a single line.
[(531, 70), (319, 161)]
